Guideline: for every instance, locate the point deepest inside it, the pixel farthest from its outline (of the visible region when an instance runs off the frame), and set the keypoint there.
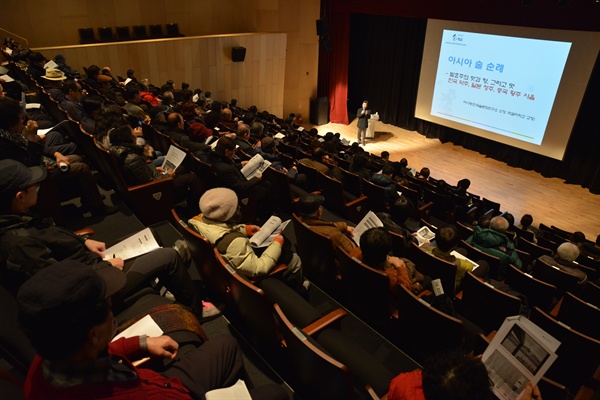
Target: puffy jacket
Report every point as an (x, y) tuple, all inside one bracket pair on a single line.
[(240, 253), (134, 167), (498, 245)]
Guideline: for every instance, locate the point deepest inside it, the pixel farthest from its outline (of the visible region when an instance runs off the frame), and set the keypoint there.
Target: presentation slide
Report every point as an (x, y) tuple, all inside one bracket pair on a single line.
[(516, 85), (506, 85)]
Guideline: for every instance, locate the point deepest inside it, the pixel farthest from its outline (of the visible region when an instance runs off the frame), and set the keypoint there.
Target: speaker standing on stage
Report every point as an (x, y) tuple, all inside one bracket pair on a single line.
[(363, 115)]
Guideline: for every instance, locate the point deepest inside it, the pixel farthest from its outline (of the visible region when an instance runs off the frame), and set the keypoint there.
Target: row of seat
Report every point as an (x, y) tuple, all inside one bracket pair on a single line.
[(125, 33), (319, 354)]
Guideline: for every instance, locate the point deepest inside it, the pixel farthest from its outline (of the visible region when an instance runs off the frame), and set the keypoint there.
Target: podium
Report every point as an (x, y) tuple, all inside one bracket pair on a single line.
[(370, 134)]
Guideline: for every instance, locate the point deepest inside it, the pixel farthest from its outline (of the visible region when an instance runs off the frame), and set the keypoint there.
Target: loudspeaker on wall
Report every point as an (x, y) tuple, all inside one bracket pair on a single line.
[(238, 53)]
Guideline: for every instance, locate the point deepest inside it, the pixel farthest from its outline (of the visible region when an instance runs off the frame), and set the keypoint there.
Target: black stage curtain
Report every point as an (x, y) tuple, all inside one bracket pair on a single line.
[(384, 64)]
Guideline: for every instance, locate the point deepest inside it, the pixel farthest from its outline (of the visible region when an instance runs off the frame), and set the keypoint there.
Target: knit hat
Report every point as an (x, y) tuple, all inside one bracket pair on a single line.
[(219, 204)]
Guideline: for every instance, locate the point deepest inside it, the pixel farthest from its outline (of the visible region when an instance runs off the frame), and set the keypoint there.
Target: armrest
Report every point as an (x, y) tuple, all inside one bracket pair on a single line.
[(373, 395), (424, 211), (324, 321), (85, 232), (359, 200)]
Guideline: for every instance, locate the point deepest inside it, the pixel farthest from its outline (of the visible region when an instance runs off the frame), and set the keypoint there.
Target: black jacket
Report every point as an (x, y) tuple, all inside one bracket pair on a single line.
[(28, 244), (134, 167), (230, 176)]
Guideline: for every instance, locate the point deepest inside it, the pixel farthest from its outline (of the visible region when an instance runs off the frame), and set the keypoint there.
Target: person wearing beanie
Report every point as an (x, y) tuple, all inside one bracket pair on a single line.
[(219, 223)]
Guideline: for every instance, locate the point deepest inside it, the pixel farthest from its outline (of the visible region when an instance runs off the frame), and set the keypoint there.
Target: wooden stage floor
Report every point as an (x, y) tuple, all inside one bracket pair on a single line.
[(549, 200)]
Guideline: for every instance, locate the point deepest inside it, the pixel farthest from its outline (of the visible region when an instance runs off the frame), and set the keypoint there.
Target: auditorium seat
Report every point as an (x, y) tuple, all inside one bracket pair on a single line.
[(123, 33), (533, 249), (319, 262), (335, 200), (578, 354), (352, 183), (423, 330), (564, 281), (86, 36), (106, 34), (376, 196), (484, 305), (579, 315), (539, 293), (434, 267)]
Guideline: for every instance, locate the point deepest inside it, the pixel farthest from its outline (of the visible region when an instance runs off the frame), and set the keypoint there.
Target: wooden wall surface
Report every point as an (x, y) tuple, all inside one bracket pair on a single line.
[(54, 23), (203, 62)]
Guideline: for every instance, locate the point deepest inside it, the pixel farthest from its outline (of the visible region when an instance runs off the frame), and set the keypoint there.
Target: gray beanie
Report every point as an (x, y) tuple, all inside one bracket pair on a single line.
[(219, 204)]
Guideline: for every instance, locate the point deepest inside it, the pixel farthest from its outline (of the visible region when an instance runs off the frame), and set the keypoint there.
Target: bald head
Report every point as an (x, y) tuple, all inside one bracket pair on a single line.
[(499, 224), (568, 251)]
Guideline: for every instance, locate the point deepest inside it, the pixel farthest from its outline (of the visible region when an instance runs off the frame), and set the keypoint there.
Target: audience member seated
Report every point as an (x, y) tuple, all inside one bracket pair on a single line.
[(242, 139), (23, 144), (446, 239), (449, 376), (400, 211), (136, 170), (29, 244), (358, 166), (132, 96), (65, 311), (329, 145), (91, 78), (424, 174), (92, 104), (385, 179), (525, 224), (61, 62), (176, 130), (376, 247), (36, 67), (53, 84), (592, 250), (493, 241), (72, 102), (230, 175), (310, 208), (322, 163), (220, 224), (105, 88), (563, 259)]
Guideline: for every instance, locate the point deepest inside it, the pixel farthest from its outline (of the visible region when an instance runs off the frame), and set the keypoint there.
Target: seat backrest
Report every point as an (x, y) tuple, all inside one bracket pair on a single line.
[(423, 330), (86, 35), (376, 196), (204, 259), (398, 244), (465, 231), (123, 33), (105, 33), (578, 354), (543, 241), (367, 290), (435, 268), (591, 293), (151, 202), (173, 30), (475, 254), (486, 306), (333, 191), (563, 281), (139, 32), (317, 373), (319, 263), (539, 293), (412, 194), (533, 249), (252, 309), (491, 205), (312, 176), (579, 315), (280, 192), (352, 183), (522, 233), (156, 31)]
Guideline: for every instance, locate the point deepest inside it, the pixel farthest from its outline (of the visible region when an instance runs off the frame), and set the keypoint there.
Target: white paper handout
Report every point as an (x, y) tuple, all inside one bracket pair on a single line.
[(136, 245), (173, 159), (279, 135), (425, 234), (267, 233), (145, 326), (237, 391), (6, 78), (521, 352), (50, 64), (369, 221), (256, 165)]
